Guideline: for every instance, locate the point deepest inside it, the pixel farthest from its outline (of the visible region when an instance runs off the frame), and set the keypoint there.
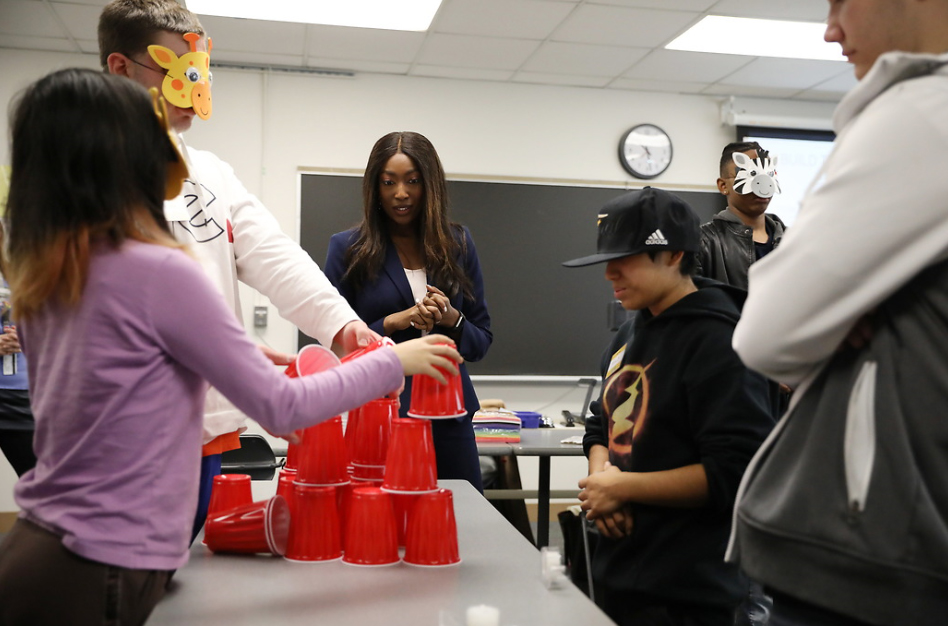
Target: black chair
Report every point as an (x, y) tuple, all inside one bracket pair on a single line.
[(254, 457)]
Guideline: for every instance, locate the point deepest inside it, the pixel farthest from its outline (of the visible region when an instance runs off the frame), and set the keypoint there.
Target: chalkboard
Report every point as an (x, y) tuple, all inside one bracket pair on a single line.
[(546, 319)]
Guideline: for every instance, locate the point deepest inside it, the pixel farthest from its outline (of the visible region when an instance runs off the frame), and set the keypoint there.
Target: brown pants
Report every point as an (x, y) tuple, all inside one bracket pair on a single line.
[(42, 583)]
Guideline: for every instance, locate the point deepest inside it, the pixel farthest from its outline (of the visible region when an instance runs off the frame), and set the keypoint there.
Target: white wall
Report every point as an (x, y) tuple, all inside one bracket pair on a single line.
[(268, 125)]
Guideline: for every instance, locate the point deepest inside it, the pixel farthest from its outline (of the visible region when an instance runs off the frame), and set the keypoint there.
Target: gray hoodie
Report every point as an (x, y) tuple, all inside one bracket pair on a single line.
[(846, 504)]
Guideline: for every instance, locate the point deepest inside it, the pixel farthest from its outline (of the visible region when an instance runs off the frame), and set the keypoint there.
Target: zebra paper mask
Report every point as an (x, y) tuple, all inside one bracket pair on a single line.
[(756, 176), (188, 82)]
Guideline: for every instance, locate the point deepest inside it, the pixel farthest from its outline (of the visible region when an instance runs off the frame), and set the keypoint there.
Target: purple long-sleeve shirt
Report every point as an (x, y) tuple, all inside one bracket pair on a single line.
[(117, 385)]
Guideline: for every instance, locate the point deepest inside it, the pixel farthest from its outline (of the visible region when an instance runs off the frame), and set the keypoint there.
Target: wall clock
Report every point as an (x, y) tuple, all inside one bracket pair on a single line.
[(645, 151)]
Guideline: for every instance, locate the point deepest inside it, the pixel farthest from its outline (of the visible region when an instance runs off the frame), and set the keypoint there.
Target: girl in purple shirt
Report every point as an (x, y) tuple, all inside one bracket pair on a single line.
[(124, 333)]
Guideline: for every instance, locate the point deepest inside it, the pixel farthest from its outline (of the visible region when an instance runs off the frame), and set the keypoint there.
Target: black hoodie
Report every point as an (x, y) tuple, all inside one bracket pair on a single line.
[(676, 394)]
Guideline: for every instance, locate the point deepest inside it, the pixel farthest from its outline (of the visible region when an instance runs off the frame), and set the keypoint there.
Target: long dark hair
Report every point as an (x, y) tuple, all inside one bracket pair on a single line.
[(88, 164), (442, 240)]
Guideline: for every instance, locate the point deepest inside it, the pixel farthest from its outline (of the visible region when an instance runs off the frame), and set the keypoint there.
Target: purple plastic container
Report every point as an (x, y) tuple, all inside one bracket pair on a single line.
[(528, 419)]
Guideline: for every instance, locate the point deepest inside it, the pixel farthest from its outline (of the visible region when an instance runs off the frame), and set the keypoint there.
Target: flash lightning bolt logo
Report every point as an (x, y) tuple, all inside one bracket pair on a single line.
[(625, 401), (622, 413)]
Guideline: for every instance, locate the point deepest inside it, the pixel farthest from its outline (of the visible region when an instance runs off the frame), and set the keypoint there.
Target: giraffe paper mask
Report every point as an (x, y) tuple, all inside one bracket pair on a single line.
[(188, 83), (756, 176), (177, 169)]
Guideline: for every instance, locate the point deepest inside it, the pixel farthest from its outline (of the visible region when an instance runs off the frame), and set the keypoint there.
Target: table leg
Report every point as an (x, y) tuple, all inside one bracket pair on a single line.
[(543, 503), (515, 511)]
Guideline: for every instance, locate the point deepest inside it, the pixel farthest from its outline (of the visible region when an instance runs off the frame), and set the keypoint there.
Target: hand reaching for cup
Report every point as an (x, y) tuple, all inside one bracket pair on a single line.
[(429, 355)]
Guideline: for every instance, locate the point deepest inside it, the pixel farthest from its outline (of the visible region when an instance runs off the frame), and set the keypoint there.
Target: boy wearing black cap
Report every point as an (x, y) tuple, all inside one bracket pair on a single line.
[(678, 419)]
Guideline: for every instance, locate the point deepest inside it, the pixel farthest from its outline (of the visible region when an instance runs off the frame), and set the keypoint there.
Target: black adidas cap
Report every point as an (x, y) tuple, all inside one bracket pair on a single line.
[(642, 221)]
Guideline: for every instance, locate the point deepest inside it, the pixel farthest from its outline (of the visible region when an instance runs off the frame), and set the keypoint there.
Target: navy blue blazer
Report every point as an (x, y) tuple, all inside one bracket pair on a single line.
[(389, 293)]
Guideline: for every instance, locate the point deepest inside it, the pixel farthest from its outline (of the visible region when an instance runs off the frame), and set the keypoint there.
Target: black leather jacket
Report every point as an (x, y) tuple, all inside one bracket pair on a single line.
[(727, 247)]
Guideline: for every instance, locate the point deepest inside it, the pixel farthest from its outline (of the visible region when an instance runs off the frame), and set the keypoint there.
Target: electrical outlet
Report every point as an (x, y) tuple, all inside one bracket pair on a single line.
[(260, 317)]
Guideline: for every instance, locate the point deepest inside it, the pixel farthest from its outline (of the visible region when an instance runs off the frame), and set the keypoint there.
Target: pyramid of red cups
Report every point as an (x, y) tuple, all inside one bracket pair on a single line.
[(358, 493)]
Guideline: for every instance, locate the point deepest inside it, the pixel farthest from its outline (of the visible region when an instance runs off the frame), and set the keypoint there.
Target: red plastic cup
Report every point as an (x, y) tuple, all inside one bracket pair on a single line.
[(403, 503), (293, 455), (432, 400), (369, 444), (366, 482), (323, 459), (381, 343), (313, 359), (258, 527), (285, 487), (314, 530), (432, 536), (411, 465), (368, 473), (228, 491), (371, 535), (343, 499), (352, 423)]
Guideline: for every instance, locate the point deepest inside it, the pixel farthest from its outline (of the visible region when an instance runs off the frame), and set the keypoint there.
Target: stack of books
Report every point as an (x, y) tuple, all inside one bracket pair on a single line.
[(496, 426)]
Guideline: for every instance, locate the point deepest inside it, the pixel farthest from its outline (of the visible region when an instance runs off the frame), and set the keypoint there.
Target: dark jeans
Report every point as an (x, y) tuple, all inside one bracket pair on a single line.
[(755, 609), (632, 609), (17, 446), (788, 611), (16, 429), (41, 582)]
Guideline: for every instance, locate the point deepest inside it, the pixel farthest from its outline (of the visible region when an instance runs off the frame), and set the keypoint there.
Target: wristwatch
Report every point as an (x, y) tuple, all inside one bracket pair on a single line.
[(460, 322)]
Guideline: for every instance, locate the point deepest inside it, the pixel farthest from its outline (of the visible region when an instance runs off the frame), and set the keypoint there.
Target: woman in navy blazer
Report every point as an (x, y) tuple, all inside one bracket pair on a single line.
[(407, 270)]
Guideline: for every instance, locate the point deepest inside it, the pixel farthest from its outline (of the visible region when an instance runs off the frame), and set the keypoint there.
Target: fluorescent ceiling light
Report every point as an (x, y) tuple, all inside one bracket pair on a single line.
[(387, 14), (755, 37)]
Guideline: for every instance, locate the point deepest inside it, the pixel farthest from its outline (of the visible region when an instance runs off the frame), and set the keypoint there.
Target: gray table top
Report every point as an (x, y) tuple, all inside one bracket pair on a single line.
[(499, 568), (537, 442)]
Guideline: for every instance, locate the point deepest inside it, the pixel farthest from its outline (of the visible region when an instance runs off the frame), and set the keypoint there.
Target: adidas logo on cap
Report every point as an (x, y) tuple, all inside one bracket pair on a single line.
[(656, 239)]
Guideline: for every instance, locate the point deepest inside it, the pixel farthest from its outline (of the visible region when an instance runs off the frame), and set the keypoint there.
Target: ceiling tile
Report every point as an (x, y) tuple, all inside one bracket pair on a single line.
[(236, 35), (686, 66), (464, 73), (822, 96), (371, 67), (254, 58), (799, 10), (89, 46), (368, 44), (82, 20), (621, 26), (29, 19), (582, 59), (481, 52), (22, 42), (571, 80), (594, 43), (783, 73), (841, 83), (670, 86), (677, 5), (749, 90), (520, 19)]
